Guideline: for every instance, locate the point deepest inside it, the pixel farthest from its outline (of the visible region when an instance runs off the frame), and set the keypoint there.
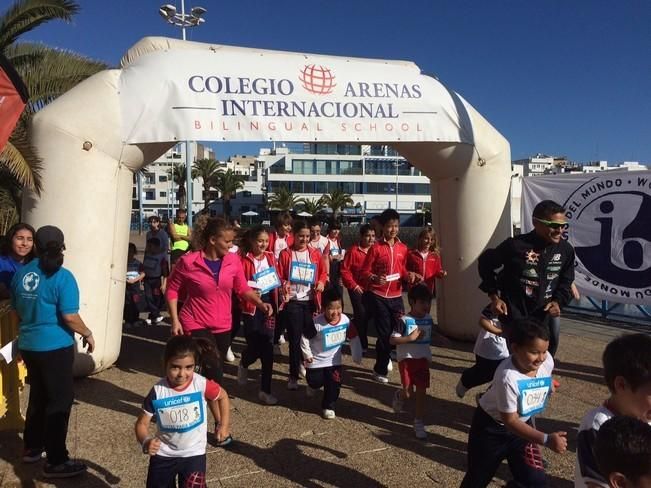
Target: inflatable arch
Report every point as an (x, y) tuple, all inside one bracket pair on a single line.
[(95, 136)]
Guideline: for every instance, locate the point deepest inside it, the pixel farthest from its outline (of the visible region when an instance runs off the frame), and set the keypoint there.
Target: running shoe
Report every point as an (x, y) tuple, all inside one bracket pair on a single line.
[(390, 366), (64, 470), (419, 429), (281, 339), (380, 378), (230, 357), (159, 319), (32, 455), (292, 384), (148, 321), (267, 398), (461, 390), (329, 414)]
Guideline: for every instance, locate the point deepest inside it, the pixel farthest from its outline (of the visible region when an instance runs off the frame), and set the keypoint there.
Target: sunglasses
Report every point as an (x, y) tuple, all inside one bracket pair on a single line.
[(552, 225)]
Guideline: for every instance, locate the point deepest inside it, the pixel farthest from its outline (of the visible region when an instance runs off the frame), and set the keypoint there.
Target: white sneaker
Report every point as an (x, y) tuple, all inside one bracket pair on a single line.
[(460, 389), (310, 392), (292, 384), (419, 429), (230, 357), (397, 402), (380, 379), (329, 414), (301, 371), (148, 321), (281, 339), (267, 398), (390, 365), (242, 375), (159, 319)]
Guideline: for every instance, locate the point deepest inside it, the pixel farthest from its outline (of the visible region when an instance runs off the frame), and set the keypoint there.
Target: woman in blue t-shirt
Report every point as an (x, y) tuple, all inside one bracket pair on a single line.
[(17, 250), (46, 298)]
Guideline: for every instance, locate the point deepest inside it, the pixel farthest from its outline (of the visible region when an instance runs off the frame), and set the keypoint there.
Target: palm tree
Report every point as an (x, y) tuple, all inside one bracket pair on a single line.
[(313, 206), (206, 169), (283, 200), (227, 183), (177, 175), (338, 200), (47, 73)]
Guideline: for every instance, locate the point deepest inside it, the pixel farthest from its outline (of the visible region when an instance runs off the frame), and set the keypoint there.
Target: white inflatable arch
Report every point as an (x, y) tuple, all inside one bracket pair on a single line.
[(95, 136)]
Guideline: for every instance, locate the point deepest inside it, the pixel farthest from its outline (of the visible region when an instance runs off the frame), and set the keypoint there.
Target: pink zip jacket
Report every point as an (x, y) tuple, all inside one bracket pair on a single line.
[(207, 304)]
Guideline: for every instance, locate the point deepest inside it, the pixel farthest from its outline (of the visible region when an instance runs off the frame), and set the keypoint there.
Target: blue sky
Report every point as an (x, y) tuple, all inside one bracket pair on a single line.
[(556, 77)]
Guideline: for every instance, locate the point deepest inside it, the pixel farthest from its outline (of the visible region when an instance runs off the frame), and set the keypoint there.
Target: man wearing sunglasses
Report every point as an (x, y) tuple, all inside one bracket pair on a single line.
[(531, 275)]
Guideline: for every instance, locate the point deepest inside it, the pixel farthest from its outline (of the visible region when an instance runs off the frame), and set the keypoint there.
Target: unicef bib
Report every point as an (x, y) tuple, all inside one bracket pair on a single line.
[(266, 280), (334, 336), (533, 395), (302, 273), (424, 324), (179, 413)]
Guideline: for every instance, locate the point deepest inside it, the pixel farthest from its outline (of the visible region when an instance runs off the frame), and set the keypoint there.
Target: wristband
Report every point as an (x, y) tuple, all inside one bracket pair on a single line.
[(145, 447), (545, 439)]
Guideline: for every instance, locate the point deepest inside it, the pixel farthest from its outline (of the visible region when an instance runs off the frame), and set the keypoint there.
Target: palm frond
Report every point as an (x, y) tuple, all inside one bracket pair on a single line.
[(25, 15), (19, 160)]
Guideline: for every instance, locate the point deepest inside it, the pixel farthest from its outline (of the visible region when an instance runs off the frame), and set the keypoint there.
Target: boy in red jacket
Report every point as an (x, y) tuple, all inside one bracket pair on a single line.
[(384, 269), (350, 275), (425, 260)]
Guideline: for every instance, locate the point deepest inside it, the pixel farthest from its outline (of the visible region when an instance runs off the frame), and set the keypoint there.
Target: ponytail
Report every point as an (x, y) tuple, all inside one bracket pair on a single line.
[(51, 258)]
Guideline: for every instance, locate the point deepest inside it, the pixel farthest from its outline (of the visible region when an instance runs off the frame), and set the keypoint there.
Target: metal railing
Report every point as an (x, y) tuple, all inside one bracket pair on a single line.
[(606, 309), (12, 376)]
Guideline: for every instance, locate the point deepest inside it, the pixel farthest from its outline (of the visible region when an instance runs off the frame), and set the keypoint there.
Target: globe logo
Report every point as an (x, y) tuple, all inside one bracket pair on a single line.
[(31, 281), (317, 79)]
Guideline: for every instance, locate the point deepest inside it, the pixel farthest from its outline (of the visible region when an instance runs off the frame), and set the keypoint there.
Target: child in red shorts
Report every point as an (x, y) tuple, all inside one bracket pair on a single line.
[(412, 339)]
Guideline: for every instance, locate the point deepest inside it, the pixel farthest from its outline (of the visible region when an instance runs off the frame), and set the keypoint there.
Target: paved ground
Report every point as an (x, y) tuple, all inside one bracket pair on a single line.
[(290, 445)]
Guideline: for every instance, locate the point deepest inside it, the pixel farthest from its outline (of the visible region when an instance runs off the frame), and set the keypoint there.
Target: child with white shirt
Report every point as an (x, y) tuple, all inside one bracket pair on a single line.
[(501, 427), (490, 350), (321, 346)]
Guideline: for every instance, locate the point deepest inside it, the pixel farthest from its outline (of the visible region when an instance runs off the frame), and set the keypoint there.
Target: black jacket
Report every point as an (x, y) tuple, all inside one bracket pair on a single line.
[(533, 273)]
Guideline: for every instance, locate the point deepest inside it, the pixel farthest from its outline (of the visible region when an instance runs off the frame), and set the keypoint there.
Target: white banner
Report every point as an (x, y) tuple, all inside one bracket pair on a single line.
[(237, 94), (609, 216)]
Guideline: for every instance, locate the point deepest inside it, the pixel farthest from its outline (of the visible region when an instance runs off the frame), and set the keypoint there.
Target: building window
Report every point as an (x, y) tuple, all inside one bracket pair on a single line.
[(150, 195), (150, 178), (163, 194), (134, 194), (162, 178)]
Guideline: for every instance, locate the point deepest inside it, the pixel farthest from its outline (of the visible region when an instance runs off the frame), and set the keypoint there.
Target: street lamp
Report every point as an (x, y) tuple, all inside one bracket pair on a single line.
[(183, 20)]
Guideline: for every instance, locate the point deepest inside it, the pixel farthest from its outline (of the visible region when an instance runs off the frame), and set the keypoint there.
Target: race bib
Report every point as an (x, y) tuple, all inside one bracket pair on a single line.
[(303, 273), (533, 395), (393, 277), (334, 336), (179, 413), (266, 280), (335, 252), (423, 324), (132, 275)]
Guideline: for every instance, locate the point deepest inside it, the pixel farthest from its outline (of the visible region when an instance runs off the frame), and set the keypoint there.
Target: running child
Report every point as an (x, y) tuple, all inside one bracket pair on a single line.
[(303, 276), (321, 346), (133, 299), (350, 275), (623, 452), (280, 238), (384, 270), (501, 427), (627, 371), (335, 257), (318, 241), (260, 270), (412, 339), (490, 350), (156, 270), (179, 401), (425, 260)]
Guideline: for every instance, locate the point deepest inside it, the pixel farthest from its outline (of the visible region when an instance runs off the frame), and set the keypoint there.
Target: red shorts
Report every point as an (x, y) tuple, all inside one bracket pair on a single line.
[(414, 372)]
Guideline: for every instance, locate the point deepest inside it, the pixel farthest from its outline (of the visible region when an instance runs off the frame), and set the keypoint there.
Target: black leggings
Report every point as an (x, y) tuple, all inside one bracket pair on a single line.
[(213, 368), (330, 379), (360, 315), (259, 345), (297, 316), (50, 400), (489, 443), (481, 373)]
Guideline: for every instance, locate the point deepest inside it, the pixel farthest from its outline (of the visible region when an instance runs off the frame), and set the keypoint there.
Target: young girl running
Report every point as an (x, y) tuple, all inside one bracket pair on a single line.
[(425, 260), (501, 427), (321, 346), (260, 271), (179, 403), (303, 276), (335, 257)]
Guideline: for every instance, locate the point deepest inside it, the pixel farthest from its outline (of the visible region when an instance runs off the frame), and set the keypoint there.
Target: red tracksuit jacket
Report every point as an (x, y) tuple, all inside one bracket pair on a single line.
[(248, 263), (351, 267), (383, 259), (316, 258), (273, 236), (429, 268)]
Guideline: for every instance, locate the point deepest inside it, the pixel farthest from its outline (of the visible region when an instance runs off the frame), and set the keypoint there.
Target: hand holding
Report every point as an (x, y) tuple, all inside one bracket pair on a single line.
[(557, 442)]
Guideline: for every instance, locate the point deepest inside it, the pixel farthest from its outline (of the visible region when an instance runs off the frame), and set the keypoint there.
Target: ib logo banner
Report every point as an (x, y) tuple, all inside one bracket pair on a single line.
[(610, 218)]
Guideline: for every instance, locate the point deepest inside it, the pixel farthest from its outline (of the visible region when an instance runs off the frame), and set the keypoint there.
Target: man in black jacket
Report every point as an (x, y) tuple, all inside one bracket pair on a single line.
[(537, 271)]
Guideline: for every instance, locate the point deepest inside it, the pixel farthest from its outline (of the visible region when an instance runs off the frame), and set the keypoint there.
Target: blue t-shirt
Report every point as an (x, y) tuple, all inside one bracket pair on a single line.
[(8, 266), (40, 302)]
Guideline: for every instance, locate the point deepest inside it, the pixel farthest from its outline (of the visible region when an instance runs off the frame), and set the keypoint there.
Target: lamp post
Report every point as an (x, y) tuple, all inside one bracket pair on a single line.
[(183, 20)]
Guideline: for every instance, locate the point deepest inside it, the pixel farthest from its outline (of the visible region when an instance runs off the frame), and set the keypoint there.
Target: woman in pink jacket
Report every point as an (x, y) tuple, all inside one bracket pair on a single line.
[(204, 280)]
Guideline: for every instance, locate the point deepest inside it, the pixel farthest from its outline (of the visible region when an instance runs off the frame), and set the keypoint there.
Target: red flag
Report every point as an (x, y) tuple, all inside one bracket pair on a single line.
[(13, 97)]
